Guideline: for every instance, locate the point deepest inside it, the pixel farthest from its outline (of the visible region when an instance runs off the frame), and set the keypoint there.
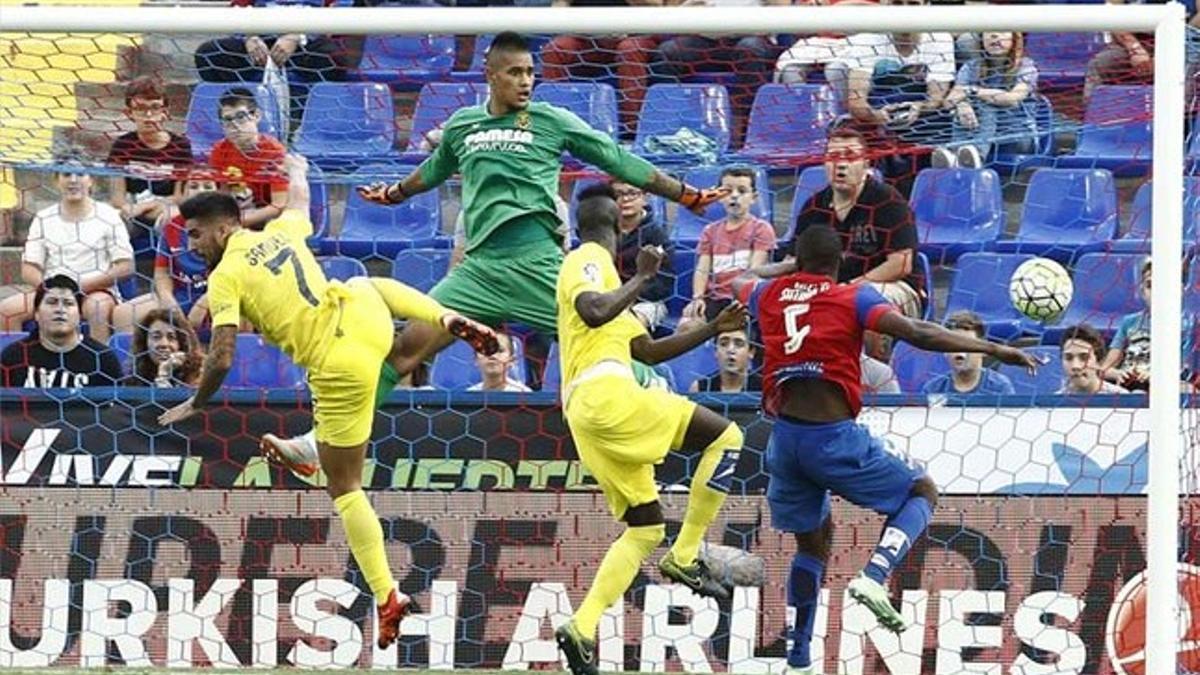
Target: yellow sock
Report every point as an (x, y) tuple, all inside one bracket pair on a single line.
[(405, 302), (365, 537), (710, 484), (616, 573)]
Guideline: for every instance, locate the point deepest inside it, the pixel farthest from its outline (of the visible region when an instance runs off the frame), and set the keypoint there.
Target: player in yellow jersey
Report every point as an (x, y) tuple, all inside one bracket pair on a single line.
[(622, 430), (340, 332)]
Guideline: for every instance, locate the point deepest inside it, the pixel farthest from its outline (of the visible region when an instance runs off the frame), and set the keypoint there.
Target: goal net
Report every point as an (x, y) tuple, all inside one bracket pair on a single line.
[(947, 158)]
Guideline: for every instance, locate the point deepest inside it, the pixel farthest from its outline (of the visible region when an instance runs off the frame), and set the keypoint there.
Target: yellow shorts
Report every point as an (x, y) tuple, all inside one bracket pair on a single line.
[(343, 387), (621, 431)]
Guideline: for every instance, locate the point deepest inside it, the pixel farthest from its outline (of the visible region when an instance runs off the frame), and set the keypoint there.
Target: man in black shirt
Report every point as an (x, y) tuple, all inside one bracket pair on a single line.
[(56, 354), (638, 229), (735, 357)]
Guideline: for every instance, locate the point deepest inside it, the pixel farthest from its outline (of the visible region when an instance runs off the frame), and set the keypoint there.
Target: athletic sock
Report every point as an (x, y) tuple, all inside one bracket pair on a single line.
[(365, 536), (620, 565), (710, 483), (804, 593), (899, 532)]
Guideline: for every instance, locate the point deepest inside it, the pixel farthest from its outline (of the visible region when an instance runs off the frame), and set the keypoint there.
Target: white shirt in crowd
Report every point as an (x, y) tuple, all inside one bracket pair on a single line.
[(877, 376), (935, 51), (77, 249), (509, 385)]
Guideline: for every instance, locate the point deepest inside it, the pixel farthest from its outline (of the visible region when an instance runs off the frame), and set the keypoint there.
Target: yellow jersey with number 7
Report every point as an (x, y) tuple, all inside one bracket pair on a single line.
[(272, 279)]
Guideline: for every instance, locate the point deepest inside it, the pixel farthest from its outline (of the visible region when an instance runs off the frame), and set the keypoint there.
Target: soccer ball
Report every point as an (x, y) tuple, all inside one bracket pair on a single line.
[(1040, 289)]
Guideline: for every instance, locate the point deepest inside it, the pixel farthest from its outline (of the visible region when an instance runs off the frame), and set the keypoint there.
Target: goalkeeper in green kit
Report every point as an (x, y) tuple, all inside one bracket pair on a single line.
[(509, 153)]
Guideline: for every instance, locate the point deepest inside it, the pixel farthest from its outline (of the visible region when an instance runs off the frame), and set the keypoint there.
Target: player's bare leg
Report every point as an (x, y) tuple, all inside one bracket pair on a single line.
[(343, 468), (718, 442)]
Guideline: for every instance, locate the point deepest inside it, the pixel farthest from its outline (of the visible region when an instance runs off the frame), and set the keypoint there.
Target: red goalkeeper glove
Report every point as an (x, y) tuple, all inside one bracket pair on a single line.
[(481, 338), (380, 192), (697, 201)]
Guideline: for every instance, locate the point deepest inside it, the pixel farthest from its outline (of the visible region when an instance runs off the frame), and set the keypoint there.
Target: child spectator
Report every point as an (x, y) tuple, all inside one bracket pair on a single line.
[(988, 98), (166, 351), (734, 356), (82, 239), (638, 229), (495, 369), (728, 247), (967, 374), (151, 156), (248, 161), (1081, 349), (56, 354), (1128, 359)]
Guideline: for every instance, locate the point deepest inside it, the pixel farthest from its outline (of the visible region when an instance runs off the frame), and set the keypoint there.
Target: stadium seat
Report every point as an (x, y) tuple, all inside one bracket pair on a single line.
[(421, 268), (1116, 133), (656, 204), (922, 267), (594, 102), (8, 338), (683, 262), (1008, 159), (406, 61), (318, 201), (1106, 289), (1191, 292), (257, 364), (372, 229), (1049, 376), (980, 285), (788, 123), (1137, 239), (454, 367), (342, 268), (436, 102), (697, 364), (957, 211), (202, 124), (1062, 58), (667, 108), (1067, 212), (914, 367), (122, 346), (688, 226), (552, 375), (347, 124)]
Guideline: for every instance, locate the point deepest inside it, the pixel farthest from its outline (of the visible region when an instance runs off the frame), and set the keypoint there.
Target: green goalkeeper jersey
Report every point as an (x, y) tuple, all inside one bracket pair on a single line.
[(510, 164)]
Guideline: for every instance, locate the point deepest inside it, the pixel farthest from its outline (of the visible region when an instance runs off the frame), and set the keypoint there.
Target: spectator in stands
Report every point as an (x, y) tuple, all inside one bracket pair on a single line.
[(180, 275), (166, 351), (874, 220), (727, 247), (638, 229), (825, 50), (967, 374), (1082, 346), (734, 356), (56, 354), (749, 58), (627, 57), (151, 156), (496, 368), (988, 101), (248, 161), (877, 377), (1128, 59), (83, 239)]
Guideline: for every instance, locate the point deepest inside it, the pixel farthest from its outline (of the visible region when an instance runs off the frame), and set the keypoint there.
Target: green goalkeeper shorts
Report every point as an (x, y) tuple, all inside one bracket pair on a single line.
[(495, 286)]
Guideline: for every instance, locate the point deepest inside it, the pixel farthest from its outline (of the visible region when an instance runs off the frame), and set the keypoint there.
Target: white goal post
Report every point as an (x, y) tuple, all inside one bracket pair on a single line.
[(1166, 21)]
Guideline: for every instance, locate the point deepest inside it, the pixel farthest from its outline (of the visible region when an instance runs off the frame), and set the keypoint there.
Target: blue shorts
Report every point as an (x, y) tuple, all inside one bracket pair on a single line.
[(808, 461)]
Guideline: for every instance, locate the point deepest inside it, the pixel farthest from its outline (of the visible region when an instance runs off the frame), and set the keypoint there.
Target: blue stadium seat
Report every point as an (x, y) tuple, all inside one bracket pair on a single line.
[(202, 124), (697, 364), (8, 338), (318, 202), (347, 124), (1067, 212), (257, 364), (1062, 58), (656, 204), (1008, 158), (1049, 377), (407, 61), (688, 226), (436, 102), (914, 367), (1137, 239), (594, 102), (552, 375), (372, 229), (788, 122), (1106, 289), (667, 108), (342, 268), (421, 268), (1116, 133), (454, 367), (683, 262), (922, 267), (122, 346), (957, 211), (980, 284), (1191, 292)]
